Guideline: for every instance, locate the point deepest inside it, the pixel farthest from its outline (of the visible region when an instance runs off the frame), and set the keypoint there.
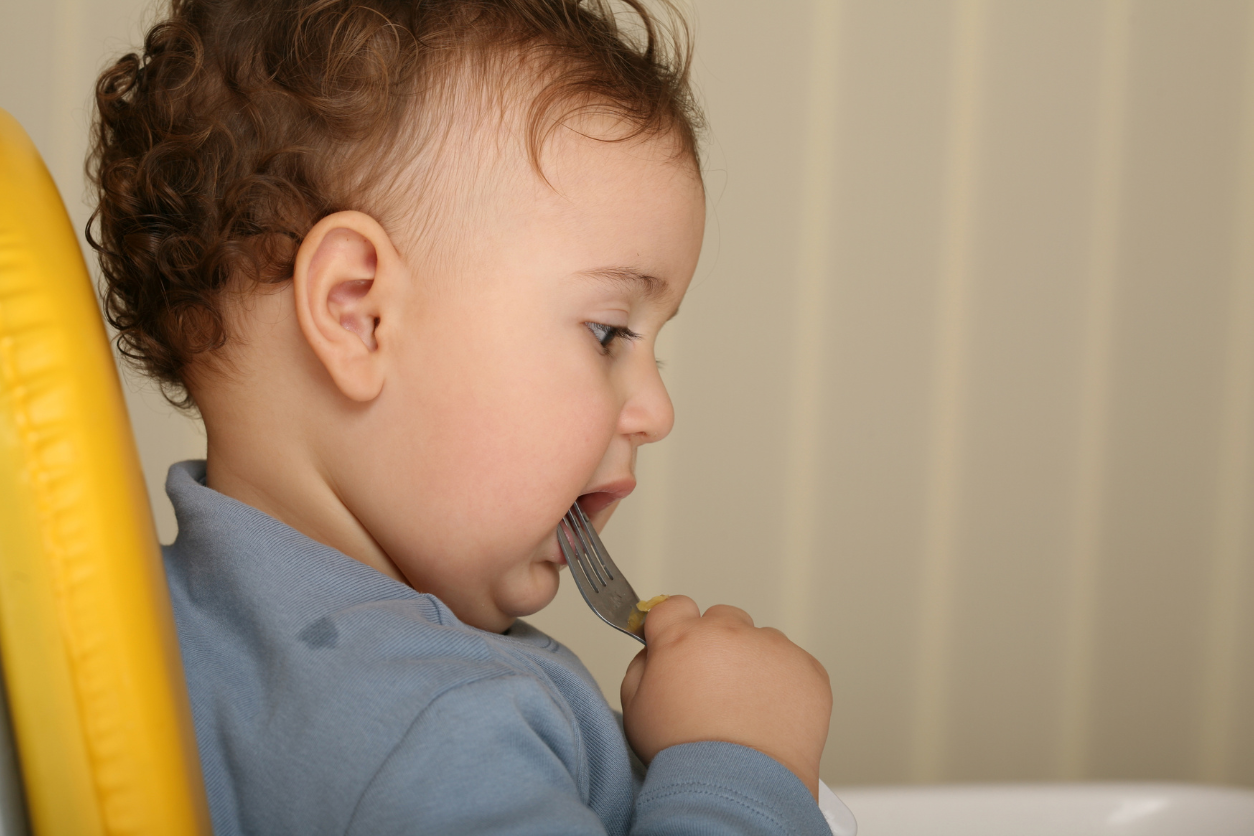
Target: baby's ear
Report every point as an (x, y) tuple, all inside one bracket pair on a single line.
[(345, 272)]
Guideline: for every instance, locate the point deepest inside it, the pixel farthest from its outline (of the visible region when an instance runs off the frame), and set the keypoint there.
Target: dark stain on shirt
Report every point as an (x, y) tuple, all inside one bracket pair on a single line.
[(321, 633)]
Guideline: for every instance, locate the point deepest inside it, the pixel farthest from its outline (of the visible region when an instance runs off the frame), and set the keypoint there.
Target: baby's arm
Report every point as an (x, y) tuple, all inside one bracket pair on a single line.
[(718, 678), (490, 756), (502, 756)]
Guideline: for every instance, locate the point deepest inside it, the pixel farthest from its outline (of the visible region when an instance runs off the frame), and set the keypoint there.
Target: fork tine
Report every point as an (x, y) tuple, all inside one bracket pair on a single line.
[(613, 600), (589, 552), (563, 541), (598, 548), (573, 552)]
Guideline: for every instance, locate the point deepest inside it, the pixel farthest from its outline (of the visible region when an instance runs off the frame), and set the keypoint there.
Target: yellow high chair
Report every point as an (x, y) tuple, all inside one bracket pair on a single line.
[(96, 698)]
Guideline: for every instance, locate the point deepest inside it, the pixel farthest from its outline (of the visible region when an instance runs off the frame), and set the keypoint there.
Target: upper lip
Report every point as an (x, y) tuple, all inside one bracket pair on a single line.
[(618, 489)]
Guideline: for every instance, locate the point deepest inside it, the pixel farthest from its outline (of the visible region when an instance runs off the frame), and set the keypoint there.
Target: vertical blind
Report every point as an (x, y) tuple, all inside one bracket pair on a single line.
[(965, 385)]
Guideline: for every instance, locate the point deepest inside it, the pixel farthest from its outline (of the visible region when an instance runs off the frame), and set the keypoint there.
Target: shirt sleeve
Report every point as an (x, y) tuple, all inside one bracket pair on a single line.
[(501, 756), (723, 788), (491, 757)]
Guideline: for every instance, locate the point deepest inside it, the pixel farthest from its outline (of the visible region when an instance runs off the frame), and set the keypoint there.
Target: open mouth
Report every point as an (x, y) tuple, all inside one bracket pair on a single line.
[(592, 504), (596, 502)]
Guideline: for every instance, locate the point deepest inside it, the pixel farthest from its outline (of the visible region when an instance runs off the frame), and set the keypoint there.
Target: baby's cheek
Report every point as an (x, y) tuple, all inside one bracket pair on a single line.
[(497, 449), (557, 437)]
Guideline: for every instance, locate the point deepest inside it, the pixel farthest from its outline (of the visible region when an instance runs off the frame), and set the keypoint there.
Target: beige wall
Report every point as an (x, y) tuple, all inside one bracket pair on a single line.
[(50, 54), (965, 384)]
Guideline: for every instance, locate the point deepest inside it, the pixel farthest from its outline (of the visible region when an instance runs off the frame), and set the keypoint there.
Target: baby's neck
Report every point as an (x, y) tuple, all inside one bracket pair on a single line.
[(266, 416), (296, 495)]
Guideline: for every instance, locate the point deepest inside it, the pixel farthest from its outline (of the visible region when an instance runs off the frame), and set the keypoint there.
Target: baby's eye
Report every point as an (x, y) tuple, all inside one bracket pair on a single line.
[(607, 334)]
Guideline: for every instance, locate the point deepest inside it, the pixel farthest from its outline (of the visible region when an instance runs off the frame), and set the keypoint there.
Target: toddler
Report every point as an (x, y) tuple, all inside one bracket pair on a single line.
[(409, 259)]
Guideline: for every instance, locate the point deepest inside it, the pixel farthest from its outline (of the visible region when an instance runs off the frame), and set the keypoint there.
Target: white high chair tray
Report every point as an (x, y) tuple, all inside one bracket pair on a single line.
[(1051, 810)]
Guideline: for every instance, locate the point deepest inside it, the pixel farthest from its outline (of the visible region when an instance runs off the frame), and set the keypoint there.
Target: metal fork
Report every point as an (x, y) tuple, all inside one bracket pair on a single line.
[(600, 582)]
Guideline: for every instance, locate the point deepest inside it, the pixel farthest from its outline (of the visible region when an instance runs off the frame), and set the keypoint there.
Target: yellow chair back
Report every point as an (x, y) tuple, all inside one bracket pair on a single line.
[(96, 691)]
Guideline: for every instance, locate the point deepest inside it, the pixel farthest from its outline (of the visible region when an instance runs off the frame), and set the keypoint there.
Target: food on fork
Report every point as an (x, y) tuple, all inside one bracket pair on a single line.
[(642, 609)]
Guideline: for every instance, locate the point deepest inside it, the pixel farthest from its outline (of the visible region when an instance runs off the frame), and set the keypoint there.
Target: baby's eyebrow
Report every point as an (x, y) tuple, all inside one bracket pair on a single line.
[(651, 287)]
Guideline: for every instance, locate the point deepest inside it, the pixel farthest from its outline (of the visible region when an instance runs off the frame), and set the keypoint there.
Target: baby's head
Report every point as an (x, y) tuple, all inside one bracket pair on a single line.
[(409, 259)]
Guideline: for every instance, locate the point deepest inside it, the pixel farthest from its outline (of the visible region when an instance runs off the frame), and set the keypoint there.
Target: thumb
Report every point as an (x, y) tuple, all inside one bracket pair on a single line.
[(631, 680), (674, 612)]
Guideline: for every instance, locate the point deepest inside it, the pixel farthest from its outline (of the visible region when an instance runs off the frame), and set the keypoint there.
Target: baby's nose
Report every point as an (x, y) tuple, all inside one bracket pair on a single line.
[(648, 415)]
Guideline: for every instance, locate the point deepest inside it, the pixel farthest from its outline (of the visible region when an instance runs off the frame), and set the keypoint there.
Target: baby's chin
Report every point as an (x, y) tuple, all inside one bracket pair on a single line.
[(519, 597)]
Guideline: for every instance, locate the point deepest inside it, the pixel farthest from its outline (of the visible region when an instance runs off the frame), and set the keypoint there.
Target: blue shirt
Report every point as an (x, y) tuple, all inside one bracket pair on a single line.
[(328, 698)]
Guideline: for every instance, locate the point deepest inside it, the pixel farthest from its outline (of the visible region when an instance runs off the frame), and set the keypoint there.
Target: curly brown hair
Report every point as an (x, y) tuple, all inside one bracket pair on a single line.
[(243, 123)]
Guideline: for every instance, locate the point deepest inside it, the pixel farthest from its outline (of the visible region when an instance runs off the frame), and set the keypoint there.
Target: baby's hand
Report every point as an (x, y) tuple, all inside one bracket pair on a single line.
[(717, 677)]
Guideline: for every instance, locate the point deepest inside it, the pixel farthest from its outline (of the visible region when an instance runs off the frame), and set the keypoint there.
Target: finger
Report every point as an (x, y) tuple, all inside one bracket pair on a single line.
[(726, 611), (671, 612), (631, 679)]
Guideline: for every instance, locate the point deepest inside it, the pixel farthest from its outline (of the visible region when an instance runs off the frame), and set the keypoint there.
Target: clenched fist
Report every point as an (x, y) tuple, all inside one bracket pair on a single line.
[(718, 677)]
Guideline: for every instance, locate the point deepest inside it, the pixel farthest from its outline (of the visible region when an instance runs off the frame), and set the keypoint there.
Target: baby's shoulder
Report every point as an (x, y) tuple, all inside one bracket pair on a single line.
[(410, 649), (314, 678), (375, 663), (314, 711)]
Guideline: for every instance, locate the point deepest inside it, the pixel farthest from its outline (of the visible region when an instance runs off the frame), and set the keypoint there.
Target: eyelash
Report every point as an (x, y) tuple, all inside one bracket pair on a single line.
[(607, 334)]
